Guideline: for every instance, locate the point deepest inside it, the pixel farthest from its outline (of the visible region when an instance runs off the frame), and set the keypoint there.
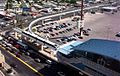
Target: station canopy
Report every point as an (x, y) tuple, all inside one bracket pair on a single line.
[(69, 47)]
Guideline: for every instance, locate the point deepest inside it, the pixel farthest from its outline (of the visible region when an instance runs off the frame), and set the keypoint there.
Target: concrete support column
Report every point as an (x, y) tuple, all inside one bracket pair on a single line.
[(42, 22), (81, 27), (60, 17), (42, 48), (74, 14), (16, 36)]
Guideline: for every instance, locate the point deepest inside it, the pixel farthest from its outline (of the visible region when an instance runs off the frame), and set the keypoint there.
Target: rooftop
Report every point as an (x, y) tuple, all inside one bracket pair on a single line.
[(103, 47)]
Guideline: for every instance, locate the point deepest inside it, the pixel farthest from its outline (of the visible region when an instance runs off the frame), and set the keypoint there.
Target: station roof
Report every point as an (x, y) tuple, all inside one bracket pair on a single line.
[(69, 47), (103, 47)]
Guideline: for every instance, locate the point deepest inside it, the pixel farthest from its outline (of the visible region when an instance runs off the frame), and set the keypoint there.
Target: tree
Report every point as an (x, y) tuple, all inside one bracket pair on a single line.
[(34, 29), (72, 1), (63, 1), (36, 1), (8, 4)]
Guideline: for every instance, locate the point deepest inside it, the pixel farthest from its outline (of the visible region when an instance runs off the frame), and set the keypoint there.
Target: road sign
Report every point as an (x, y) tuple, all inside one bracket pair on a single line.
[(26, 9)]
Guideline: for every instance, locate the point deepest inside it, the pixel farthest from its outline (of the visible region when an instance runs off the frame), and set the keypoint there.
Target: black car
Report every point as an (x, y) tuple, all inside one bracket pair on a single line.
[(7, 18), (13, 65), (118, 34)]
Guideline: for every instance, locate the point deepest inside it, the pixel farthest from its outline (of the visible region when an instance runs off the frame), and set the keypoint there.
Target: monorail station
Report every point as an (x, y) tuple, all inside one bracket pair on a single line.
[(97, 57)]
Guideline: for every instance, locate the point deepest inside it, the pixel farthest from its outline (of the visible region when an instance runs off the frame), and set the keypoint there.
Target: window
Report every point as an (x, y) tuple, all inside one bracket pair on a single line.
[(107, 10), (1, 65)]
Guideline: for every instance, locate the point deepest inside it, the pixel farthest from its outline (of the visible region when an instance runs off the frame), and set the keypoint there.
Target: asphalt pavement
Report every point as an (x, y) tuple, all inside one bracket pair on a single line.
[(22, 69), (102, 25), (43, 67), (108, 23)]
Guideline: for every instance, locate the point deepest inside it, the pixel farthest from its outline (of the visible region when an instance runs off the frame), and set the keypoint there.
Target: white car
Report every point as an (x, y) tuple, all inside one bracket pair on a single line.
[(49, 61), (37, 60), (27, 53), (10, 72), (60, 73)]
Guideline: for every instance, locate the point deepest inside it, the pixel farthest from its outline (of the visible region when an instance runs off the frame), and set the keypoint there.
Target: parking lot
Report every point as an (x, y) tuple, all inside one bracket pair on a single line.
[(99, 25)]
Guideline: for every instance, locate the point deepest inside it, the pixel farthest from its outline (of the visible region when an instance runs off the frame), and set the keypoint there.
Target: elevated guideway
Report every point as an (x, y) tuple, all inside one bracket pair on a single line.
[(37, 39), (60, 14), (41, 40), (45, 42)]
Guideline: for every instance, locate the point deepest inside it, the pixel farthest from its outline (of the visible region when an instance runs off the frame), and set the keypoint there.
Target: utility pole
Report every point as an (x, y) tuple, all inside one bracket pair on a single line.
[(81, 25)]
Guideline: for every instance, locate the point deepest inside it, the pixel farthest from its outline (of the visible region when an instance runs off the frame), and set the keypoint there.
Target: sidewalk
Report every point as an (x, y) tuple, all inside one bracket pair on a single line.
[(5, 69), (1, 73)]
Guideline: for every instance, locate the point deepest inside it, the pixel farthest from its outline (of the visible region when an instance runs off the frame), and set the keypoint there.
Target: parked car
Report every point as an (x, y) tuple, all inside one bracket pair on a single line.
[(10, 72), (27, 53), (7, 18), (37, 60), (60, 73), (13, 65), (118, 34), (48, 61), (18, 55)]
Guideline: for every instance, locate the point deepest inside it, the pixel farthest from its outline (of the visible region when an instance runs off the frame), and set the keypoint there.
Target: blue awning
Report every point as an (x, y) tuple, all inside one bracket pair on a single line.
[(69, 47), (103, 47)]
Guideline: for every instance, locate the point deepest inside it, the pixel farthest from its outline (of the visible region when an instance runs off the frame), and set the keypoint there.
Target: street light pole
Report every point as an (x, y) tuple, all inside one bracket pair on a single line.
[(81, 19)]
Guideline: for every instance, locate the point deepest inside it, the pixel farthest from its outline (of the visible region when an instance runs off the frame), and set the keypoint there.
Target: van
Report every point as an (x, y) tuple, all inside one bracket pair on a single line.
[(1, 38), (48, 61)]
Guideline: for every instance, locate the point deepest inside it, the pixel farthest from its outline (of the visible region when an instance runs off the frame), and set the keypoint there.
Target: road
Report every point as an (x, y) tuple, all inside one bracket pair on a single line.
[(95, 29), (43, 67), (22, 69), (107, 22)]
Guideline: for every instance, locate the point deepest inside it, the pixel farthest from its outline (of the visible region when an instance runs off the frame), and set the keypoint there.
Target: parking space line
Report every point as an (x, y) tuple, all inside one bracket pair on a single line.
[(33, 69)]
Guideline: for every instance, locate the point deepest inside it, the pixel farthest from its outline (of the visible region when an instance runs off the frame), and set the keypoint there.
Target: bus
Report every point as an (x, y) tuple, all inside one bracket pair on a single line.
[(108, 9), (48, 20), (22, 45)]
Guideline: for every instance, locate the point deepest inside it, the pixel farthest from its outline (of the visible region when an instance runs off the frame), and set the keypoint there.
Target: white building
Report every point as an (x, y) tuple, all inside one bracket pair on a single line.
[(2, 59)]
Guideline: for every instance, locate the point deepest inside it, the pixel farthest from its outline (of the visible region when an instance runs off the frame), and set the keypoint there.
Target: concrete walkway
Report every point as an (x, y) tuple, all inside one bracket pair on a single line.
[(6, 67)]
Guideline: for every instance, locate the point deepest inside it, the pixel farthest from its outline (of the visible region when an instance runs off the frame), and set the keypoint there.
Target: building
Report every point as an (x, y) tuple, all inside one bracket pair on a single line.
[(95, 57), (2, 59), (1, 73), (2, 5)]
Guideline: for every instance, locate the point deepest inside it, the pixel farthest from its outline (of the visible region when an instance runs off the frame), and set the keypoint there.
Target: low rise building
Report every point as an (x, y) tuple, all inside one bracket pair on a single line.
[(2, 59)]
